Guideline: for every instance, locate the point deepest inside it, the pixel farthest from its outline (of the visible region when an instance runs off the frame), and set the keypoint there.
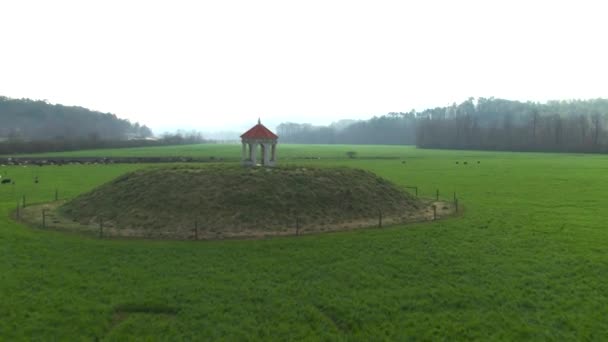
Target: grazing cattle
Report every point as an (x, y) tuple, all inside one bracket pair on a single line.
[(6, 180), (465, 163)]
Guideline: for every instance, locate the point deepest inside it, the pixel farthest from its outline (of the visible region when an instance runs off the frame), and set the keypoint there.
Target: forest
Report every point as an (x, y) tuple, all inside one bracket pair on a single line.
[(495, 124), (36, 120), (29, 126), (480, 124)]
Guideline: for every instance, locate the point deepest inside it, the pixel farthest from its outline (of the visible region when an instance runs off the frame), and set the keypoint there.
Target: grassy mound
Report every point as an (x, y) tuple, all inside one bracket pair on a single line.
[(228, 201)]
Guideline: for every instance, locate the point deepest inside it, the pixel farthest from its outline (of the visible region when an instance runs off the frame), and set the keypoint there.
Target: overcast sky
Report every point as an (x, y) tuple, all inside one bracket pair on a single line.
[(218, 65)]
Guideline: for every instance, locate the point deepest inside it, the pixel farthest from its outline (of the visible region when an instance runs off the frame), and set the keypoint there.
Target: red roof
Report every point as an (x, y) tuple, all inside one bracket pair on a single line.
[(259, 131)]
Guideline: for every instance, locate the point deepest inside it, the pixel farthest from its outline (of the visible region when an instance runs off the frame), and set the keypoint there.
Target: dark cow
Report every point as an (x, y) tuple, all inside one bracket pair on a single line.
[(6, 181)]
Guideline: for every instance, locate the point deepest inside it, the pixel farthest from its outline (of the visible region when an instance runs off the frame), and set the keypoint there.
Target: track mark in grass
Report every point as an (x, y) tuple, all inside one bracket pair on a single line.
[(151, 308), (554, 231), (123, 311), (332, 317)]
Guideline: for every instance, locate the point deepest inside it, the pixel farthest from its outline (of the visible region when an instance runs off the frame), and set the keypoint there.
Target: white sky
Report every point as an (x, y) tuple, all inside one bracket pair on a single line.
[(218, 65)]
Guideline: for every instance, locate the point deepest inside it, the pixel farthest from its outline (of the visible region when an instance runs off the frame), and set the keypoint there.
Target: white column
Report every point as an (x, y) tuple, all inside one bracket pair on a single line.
[(266, 154), (253, 149), (244, 153), (274, 152)]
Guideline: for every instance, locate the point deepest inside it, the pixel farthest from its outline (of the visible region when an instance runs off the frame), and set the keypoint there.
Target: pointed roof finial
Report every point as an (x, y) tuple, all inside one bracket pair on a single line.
[(259, 121)]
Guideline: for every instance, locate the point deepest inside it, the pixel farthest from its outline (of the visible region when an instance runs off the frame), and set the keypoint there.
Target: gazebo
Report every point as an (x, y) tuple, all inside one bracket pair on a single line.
[(259, 135)]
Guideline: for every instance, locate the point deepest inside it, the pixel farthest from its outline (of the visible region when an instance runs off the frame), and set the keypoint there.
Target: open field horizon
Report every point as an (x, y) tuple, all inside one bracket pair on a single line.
[(289, 151), (527, 259)]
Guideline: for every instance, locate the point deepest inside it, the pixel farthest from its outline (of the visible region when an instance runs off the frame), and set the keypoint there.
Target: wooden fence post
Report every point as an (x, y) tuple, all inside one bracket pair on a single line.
[(434, 212), (23, 201), (413, 187), (437, 195)]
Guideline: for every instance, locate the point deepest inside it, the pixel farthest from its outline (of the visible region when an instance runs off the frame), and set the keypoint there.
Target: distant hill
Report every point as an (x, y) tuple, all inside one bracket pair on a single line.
[(31, 120)]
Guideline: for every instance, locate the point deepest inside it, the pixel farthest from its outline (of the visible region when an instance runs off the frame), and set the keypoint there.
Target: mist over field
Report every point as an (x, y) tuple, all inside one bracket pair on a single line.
[(217, 66)]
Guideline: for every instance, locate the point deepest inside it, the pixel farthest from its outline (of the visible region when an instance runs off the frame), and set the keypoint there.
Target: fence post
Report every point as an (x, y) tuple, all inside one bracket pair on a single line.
[(437, 195), (434, 212), (44, 218), (23, 202), (456, 203), (415, 189), (454, 196)]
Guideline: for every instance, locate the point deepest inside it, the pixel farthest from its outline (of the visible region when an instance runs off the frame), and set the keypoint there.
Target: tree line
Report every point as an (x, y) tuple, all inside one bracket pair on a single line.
[(29, 126), (56, 145), (11, 147), (30, 120), (496, 124), (391, 129), (483, 123)]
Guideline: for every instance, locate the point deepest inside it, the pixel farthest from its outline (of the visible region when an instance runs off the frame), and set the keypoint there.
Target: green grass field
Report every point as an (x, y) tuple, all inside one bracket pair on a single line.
[(527, 260), (233, 151)]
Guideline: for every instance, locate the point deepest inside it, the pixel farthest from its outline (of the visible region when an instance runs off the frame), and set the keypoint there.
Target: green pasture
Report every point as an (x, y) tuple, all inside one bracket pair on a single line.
[(528, 260), (232, 152)]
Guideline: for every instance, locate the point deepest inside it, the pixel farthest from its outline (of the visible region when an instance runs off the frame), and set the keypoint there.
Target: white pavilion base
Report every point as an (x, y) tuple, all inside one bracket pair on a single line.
[(250, 149)]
